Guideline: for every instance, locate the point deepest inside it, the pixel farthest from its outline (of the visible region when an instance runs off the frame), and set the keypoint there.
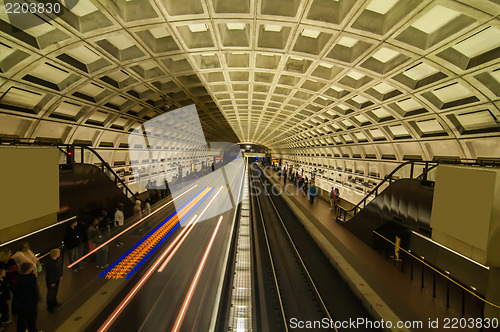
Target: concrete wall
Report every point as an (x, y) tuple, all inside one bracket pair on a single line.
[(29, 195), (462, 209)]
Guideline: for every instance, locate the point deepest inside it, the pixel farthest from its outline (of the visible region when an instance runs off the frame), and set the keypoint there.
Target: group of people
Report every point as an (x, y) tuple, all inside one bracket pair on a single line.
[(307, 186), (81, 237), (18, 284), (19, 272)]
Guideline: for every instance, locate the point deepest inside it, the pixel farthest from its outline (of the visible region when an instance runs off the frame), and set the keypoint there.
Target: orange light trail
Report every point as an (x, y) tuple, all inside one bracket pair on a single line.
[(132, 259), (126, 230), (148, 274), (162, 267), (189, 296), (137, 287)]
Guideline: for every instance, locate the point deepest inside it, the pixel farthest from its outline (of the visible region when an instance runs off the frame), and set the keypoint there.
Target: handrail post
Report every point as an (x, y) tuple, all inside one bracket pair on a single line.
[(412, 165), (426, 169), (82, 154)]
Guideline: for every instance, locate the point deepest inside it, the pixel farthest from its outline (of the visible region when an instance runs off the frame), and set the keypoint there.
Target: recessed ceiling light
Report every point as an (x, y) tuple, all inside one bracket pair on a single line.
[(197, 27), (272, 28), (310, 33), (235, 26), (208, 54)]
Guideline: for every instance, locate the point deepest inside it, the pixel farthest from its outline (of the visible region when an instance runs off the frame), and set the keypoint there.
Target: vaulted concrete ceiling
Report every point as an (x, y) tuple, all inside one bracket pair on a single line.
[(328, 78)]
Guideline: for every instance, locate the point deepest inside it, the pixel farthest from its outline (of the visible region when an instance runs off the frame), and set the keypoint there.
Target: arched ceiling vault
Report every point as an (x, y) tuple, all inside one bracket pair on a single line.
[(316, 77)]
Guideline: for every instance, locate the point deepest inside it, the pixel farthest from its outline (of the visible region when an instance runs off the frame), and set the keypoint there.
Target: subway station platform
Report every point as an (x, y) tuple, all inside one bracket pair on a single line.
[(406, 298)]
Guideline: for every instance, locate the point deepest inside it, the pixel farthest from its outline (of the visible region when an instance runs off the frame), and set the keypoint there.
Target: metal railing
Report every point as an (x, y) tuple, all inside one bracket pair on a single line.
[(105, 167), (344, 214), (66, 149), (439, 282)]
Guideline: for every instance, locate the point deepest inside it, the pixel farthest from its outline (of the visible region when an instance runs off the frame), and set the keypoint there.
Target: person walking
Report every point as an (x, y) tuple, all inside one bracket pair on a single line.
[(27, 297), (72, 243), (313, 190), (25, 255), (53, 276), (305, 186)]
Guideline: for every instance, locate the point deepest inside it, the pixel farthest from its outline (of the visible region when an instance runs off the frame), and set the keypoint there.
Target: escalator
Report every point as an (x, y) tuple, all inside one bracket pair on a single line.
[(402, 207), (85, 188)]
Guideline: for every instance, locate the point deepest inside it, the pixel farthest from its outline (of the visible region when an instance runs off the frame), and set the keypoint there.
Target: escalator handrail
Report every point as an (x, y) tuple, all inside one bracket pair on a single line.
[(108, 167)]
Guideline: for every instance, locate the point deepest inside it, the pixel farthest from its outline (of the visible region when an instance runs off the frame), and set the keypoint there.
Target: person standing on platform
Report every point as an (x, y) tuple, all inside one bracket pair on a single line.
[(336, 200), (138, 209), (11, 270), (83, 230), (27, 297), (72, 244), (25, 255), (119, 220), (52, 278), (332, 199), (4, 296), (104, 220), (119, 217), (147, 207), (98, 237), (313, 190), (284, 176)]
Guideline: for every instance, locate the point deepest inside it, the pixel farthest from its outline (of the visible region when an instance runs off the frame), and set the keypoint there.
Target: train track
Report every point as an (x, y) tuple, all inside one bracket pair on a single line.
[(294, 296)]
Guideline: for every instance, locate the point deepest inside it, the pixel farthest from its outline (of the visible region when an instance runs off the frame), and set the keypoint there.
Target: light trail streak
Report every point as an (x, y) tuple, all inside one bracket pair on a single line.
[(189, 296), (129, 263), (191, 227), (126, 230), (107, 324)]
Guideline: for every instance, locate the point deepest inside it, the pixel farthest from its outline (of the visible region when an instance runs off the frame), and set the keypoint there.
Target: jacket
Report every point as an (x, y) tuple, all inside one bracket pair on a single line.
[(71, 238), (313, 191), (26, 296), (53, 272)]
